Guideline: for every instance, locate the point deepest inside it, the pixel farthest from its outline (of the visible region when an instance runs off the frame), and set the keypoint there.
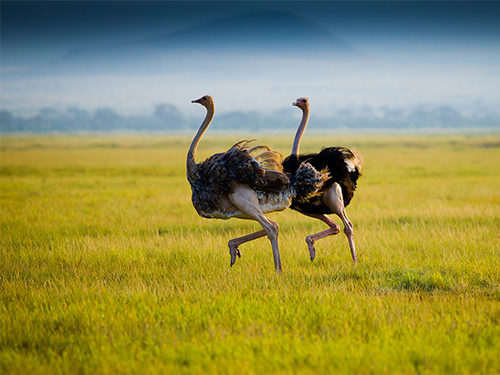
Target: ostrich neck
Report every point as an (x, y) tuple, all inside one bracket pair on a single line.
[(300, 131), (191, 163)]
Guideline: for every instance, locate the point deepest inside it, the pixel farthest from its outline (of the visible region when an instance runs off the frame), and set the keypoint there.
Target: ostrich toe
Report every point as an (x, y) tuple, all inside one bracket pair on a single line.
[(310, 245)]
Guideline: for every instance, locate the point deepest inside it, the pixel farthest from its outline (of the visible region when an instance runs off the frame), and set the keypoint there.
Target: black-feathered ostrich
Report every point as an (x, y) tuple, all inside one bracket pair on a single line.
[(246, 183), (344, 167)]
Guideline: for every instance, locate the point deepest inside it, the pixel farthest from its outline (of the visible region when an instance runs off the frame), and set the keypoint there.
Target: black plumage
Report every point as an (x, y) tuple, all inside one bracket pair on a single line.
[(342, 166)]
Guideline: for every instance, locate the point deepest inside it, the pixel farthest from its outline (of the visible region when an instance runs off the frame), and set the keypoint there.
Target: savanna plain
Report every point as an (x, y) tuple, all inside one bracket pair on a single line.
[(106, 268)]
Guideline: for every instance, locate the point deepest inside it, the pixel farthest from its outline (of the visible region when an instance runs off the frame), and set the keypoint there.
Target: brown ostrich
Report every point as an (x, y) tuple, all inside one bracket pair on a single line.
[(246, 183), (344, 167)]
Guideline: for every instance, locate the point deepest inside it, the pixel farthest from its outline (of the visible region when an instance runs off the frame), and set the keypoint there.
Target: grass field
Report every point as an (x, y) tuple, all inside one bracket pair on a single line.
[(106, 268)]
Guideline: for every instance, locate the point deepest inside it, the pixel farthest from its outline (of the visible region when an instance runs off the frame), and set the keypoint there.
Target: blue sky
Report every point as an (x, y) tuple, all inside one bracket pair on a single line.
[(410, 53)]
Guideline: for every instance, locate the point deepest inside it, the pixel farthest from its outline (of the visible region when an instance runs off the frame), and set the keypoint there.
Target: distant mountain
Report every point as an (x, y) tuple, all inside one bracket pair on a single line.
[(266, 33)]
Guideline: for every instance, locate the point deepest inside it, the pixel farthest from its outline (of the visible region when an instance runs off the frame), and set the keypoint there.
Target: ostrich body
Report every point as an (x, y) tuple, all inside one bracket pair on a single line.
[(344, 167), (246, 183)]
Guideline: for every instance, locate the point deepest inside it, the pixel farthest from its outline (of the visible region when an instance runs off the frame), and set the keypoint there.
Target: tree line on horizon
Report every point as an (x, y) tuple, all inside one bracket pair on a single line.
[(168, 118)]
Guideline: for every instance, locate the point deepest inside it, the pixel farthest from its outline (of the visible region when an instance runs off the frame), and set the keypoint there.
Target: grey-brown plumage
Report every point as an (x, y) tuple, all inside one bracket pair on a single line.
[(215, 176), (245, 183)]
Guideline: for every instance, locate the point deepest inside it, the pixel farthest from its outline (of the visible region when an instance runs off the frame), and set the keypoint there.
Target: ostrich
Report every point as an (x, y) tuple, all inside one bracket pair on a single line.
[(344, 167), (246, 183)]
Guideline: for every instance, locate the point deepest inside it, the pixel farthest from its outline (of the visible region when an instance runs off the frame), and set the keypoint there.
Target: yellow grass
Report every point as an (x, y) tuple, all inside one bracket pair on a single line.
[(106, 268)]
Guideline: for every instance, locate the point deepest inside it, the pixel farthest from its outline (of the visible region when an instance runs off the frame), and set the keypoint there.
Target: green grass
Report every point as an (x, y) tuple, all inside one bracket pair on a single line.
[(106, 268)]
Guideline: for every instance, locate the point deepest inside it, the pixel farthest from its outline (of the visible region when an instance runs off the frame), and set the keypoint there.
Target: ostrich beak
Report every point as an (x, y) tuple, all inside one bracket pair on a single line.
[(295, 103)]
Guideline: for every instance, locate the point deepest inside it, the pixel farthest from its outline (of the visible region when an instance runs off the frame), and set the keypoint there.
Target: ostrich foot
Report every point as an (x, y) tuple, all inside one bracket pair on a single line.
[(234, 251), (310, 246), (312, 238), (350, 238), (353, 251)]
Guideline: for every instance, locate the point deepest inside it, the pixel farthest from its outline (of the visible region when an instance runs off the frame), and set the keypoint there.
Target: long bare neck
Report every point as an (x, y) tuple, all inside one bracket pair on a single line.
[(300, 131), (196, 140)]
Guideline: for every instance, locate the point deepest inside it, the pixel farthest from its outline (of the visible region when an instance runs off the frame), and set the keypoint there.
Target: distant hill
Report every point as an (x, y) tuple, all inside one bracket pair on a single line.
[(266, 33), (270, 31)]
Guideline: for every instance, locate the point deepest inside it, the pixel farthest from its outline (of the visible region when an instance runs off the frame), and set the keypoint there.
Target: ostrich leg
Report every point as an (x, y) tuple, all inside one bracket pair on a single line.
[(333, 199), (245, 199), (334, 229), (235, 242)]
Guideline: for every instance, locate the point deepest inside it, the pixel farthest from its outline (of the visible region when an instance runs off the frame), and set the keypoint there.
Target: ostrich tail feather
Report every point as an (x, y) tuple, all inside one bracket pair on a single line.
[(308, 182), (352, 159), (258, 150), (243, 144), (270, 160), (358, 161)]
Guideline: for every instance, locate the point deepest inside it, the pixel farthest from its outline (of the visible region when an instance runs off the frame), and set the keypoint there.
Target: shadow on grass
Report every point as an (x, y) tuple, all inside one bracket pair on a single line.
[(418, 281), (404, 281)]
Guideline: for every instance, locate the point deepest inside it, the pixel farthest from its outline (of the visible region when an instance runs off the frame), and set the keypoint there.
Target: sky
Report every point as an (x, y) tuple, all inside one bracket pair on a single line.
[(131, 55)]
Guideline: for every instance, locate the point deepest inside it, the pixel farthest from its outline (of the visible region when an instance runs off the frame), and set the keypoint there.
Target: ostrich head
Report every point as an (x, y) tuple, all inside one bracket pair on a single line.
[(206, 101), (302, 103)]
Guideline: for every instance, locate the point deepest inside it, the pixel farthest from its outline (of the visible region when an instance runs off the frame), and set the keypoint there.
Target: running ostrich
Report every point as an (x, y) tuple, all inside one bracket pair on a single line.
[(344, 167), (246, 183)]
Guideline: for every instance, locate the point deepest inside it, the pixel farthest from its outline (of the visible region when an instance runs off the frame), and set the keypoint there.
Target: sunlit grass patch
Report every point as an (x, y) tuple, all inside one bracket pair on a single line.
[(106, 268)]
